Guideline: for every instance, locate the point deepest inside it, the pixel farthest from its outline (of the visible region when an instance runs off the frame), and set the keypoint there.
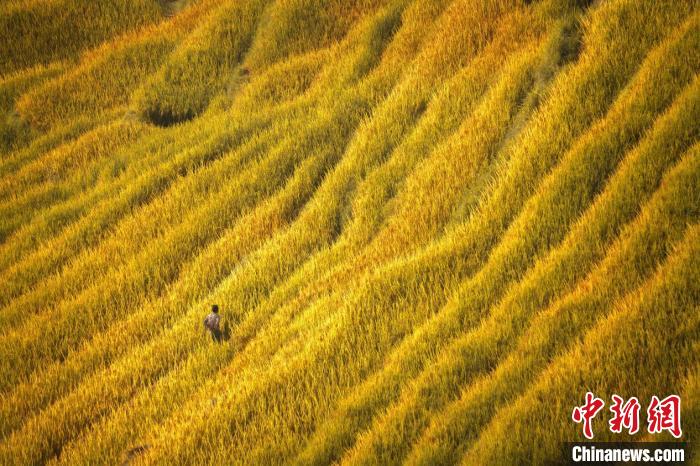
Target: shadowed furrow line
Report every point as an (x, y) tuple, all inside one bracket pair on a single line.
[(477, 294), (43, 144), (44, 32), (164, 211), (278, 420), (369, 239), (312, 137), (55, 379), (164, 351), (33, 204), (148, 223), (54, 333), (337, 354), (172, 379), (193, 283), (519, 339), (529, 237), (311, 140), (419, 218), (188, 331), (91, 91), (205, 165), (22, 191), (655, 333), (133, 159)]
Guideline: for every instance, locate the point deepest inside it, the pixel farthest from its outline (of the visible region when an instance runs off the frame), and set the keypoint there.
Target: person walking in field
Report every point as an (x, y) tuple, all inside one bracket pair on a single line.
[(211, 323)]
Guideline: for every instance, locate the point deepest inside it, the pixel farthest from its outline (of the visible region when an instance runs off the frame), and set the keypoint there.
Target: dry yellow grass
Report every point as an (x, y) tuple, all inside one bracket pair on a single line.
[(423, 222)]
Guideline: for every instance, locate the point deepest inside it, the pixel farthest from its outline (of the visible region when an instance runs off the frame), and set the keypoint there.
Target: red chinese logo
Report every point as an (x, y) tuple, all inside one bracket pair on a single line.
[(665, 415), (587, 412), (624, 415), (662, 415)]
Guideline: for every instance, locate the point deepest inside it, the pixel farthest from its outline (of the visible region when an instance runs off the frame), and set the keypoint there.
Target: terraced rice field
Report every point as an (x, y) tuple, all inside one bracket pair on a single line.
[(431, 227)]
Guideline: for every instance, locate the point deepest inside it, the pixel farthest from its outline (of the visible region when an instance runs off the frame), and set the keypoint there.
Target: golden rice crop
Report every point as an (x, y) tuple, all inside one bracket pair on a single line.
[(424, 222)]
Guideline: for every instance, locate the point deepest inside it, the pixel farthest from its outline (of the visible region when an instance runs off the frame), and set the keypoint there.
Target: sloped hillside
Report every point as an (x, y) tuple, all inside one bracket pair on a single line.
[(431, 227)]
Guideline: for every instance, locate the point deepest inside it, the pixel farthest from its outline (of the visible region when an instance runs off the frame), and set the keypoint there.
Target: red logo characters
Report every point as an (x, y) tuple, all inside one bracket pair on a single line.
[(624, 415), (587, 412), (665, 415), (662, 415)]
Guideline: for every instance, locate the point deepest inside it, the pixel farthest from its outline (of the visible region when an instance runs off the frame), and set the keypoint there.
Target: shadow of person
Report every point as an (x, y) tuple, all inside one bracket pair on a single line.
[(132, 453), (225, 332)]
